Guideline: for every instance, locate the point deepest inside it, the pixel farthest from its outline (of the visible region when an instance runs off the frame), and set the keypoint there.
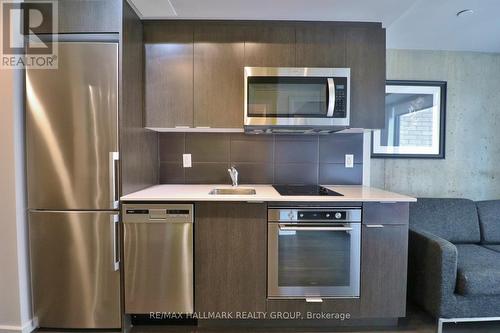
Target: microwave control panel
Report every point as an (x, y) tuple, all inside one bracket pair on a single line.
[(340, 97)]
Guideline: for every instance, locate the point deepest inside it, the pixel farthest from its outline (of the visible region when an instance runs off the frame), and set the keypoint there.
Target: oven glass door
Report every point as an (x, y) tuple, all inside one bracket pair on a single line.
[(314, 260)]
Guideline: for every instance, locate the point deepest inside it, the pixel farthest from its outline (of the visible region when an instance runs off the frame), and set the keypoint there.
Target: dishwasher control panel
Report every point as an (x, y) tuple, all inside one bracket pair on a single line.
[(143, 213)]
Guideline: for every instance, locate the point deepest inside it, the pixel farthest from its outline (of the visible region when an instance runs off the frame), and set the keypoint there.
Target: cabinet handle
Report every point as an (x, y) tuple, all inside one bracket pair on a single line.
[(374, 225), (314, 300), (290, 228)]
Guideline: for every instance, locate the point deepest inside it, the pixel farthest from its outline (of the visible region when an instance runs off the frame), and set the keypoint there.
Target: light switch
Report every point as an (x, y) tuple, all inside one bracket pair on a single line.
[(186, 160), (349, 160)]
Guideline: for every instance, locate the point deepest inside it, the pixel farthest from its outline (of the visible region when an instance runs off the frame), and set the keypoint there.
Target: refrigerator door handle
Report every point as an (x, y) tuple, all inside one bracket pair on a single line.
[(113, 159), (114, 241)]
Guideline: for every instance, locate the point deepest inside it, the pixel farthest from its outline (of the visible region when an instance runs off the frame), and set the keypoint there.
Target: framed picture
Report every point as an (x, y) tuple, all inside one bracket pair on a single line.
[(414, 120)]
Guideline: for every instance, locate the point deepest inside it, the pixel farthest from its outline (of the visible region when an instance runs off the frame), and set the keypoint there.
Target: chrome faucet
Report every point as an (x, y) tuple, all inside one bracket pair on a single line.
[(234, 175)]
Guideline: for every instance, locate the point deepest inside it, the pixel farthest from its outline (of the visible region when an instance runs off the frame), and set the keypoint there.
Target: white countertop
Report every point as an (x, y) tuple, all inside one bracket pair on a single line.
[(184, 192)]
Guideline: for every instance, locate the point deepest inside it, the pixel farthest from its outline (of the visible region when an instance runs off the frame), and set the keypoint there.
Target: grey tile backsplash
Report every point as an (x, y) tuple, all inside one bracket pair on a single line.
[(260, 159)]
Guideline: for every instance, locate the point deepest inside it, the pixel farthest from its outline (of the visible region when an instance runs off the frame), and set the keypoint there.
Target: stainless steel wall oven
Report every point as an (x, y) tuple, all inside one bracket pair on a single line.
[(314, 252)]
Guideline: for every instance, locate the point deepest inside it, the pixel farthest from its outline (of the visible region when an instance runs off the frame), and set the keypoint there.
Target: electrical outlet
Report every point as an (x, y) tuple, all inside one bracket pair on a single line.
[(186, 160), (349, 160)]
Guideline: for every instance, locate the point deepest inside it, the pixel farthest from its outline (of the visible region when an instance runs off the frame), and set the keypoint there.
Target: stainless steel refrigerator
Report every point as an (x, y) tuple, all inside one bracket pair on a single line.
[(72, 179)]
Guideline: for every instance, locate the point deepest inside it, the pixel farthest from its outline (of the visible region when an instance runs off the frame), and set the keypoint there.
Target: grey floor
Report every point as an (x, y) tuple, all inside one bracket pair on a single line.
[(416, 322)]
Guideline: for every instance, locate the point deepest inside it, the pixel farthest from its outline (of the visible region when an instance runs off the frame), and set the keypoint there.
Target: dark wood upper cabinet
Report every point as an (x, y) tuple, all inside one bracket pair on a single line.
[(218, 75), (168, 51), (270, 45), (194, 69), (96, 16), (365, 55), (230, 256), (320, 44)]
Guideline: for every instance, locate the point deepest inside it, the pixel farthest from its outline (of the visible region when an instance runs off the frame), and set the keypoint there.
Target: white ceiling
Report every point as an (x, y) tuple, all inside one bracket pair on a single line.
[(411, 24)]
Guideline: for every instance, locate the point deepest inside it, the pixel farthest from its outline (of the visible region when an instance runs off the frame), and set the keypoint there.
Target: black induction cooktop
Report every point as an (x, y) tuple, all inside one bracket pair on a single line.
[(313, 190)]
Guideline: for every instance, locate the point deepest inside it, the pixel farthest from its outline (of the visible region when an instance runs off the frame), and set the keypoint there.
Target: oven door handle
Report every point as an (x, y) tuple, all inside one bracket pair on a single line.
[(293, 228), (331, 97)]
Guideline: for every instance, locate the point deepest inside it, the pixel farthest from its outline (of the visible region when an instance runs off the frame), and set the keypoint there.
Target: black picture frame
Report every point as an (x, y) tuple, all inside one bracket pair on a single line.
[(442, 123)]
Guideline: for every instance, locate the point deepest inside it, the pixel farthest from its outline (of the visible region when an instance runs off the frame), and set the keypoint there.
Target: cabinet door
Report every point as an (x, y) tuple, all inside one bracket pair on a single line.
[(230, 257), (270, 45), (97, 16), (320, 45), (168, 89), (365, 55), (342, 307), (218, 75), (386, 213), (384, 255)]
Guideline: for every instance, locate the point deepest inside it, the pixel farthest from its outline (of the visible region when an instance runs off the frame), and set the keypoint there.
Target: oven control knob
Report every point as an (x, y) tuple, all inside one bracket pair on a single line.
[(290, 215), (338, 215), (327, 215), (301, 215)]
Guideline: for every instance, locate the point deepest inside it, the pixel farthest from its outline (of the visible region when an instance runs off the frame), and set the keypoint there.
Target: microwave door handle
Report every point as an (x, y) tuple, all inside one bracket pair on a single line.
[(331, 97), (289, 228)]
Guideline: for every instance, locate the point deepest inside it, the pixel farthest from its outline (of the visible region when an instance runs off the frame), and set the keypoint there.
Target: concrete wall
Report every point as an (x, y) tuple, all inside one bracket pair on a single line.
[(15, 304), (472, 165)]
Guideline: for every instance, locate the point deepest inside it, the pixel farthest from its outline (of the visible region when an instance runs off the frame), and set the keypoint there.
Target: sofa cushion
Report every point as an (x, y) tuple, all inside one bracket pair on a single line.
[(494, 247), (489, 221), (452, 219), (478, 270)]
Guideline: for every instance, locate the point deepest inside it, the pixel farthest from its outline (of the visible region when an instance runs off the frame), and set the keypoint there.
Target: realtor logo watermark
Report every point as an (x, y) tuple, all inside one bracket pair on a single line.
[(23, 41)]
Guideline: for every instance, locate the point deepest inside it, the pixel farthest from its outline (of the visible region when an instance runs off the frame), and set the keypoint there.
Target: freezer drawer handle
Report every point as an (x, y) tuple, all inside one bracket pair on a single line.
[(113, 167), (114, 233)]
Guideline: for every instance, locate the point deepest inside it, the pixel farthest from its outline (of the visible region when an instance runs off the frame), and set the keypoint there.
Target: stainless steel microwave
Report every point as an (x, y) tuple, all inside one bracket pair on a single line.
[(296, 99)]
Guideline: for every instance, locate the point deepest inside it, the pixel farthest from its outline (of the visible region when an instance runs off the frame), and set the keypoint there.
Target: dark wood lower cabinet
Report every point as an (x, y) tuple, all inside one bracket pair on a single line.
[(231, 259), (230, 256), (386, 213), (384, 252), (293, 307)]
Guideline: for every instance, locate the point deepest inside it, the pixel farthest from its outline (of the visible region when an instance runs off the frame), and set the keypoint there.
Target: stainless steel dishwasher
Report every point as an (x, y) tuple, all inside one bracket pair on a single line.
[(158, 258)]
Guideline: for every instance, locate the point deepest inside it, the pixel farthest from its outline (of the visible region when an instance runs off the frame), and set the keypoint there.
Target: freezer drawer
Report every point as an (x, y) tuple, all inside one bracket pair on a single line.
[(74, 269), (158, 258), (72, 129)]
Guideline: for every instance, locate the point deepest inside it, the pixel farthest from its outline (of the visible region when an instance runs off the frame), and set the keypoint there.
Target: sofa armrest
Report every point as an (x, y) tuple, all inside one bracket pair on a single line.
[(432, 270)]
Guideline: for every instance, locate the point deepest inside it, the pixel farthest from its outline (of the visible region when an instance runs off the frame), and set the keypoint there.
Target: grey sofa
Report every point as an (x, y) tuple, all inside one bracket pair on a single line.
[(454, 258)]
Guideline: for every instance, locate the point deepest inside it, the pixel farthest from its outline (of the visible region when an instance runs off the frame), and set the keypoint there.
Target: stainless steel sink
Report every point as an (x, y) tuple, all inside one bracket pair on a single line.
[(234, 191)]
